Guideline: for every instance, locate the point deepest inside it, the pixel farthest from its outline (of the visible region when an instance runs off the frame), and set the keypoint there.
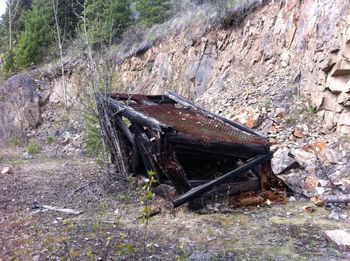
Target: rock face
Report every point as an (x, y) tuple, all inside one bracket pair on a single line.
[(24, 96), (308, 40), (19, 105)]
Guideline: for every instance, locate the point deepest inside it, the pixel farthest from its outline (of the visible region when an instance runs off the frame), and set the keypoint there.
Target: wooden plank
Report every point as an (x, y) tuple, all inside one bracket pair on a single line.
[(195, 192), (122, 126), (133, 115), (174, 170)]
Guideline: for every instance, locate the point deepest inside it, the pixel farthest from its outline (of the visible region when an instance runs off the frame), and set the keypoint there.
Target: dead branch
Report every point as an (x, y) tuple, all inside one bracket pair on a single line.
[(62, 210)]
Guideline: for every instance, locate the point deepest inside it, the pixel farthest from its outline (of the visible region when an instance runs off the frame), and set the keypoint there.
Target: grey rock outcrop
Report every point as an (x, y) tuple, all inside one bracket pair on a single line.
[(308, 38)]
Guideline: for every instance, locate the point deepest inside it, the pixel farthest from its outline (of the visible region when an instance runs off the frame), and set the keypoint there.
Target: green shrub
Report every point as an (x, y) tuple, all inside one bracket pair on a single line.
[(50, 140), (92, 137), (9, 64), (33, 147), (14, 141)]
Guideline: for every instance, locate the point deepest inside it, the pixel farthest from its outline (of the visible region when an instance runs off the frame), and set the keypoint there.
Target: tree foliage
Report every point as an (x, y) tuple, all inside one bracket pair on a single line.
[(28, 38), (153, 11), (106, 20), (12, 18), (37, 35)]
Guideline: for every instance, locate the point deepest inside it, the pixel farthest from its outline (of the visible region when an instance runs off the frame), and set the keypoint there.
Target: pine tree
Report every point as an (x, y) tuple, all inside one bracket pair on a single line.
[(11, 23), (107, 20), (153, 11), (37, 36)]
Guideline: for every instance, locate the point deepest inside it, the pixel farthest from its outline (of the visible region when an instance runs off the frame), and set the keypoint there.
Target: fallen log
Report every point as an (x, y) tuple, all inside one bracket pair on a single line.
[(330, 199), (136, 116), (337, 199)]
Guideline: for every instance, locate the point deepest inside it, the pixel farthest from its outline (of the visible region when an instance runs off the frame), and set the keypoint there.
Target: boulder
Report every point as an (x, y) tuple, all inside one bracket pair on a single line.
[(344, 98), (247, 116), (305, 159), (340, 238), (27, 156), (338, 84), (329, 101), (282, 162), (5, 170), (20, 104)]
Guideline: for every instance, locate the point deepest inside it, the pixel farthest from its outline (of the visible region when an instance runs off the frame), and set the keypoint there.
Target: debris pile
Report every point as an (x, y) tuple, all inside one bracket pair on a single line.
[(201, 154)]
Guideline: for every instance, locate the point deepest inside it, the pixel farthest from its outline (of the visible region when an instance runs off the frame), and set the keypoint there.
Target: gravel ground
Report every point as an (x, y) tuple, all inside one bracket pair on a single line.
[(110, 227)]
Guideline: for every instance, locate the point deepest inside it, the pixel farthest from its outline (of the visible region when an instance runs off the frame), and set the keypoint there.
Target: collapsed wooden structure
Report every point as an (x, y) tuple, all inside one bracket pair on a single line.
[(198, 152)]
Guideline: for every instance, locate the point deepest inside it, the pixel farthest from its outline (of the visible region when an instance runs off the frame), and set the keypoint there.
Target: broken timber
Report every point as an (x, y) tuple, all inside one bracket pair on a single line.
[(196, 151)]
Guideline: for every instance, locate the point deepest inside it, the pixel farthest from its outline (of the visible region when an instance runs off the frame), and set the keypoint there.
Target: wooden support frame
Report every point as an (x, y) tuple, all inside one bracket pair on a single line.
[(197, 191), (160, 145)]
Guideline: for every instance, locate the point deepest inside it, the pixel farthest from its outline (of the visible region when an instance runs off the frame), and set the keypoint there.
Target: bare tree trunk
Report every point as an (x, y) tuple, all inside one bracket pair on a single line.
[(60, 47), (102, 107), (12, 6)]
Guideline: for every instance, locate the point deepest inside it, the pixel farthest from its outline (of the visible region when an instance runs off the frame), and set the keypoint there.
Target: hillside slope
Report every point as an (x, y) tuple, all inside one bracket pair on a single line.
[(299, 42)]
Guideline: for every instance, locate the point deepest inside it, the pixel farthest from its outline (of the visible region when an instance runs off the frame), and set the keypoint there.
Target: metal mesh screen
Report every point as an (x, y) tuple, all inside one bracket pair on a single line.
[(196, 125)]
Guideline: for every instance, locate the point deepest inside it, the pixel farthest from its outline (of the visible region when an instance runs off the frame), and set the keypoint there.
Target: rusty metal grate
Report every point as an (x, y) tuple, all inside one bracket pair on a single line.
[(197, 126)]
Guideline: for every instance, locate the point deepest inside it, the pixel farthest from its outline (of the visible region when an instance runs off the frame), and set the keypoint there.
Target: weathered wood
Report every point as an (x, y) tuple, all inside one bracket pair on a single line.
[(174, 170), (62, 210), (195, 192), (336, 199), (122, 126), (134, 115), (110, 135), (264, 176), (145, 149)]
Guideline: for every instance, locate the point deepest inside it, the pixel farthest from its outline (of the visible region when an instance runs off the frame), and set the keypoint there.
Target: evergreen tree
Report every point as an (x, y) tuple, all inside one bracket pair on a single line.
[(69, 12), (37, 37), (153, 11), (106, 20), (11, 23)]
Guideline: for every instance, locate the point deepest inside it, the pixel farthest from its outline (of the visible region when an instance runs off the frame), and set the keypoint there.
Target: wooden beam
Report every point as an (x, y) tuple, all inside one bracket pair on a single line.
[(133, 115), (195, 192), (173, 169)]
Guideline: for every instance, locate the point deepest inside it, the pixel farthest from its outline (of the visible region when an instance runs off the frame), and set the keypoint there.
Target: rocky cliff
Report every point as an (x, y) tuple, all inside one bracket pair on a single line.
[(281, 49), (271, 54)]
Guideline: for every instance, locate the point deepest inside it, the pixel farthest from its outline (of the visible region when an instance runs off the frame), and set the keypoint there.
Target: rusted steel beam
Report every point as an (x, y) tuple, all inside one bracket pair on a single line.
[(181, 100), (197, 191)]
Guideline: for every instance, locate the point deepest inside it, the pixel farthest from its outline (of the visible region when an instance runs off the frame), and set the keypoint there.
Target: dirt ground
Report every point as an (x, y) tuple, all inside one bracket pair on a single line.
[(110, 227)]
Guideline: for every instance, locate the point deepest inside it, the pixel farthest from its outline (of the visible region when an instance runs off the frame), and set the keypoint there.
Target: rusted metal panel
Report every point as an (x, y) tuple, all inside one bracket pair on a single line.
[(184, 143)]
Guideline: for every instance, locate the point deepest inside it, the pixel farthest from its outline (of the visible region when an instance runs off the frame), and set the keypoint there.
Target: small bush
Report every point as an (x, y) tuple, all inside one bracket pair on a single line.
[(33, 147), (14, 141), (92, 137), (50, 140)]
